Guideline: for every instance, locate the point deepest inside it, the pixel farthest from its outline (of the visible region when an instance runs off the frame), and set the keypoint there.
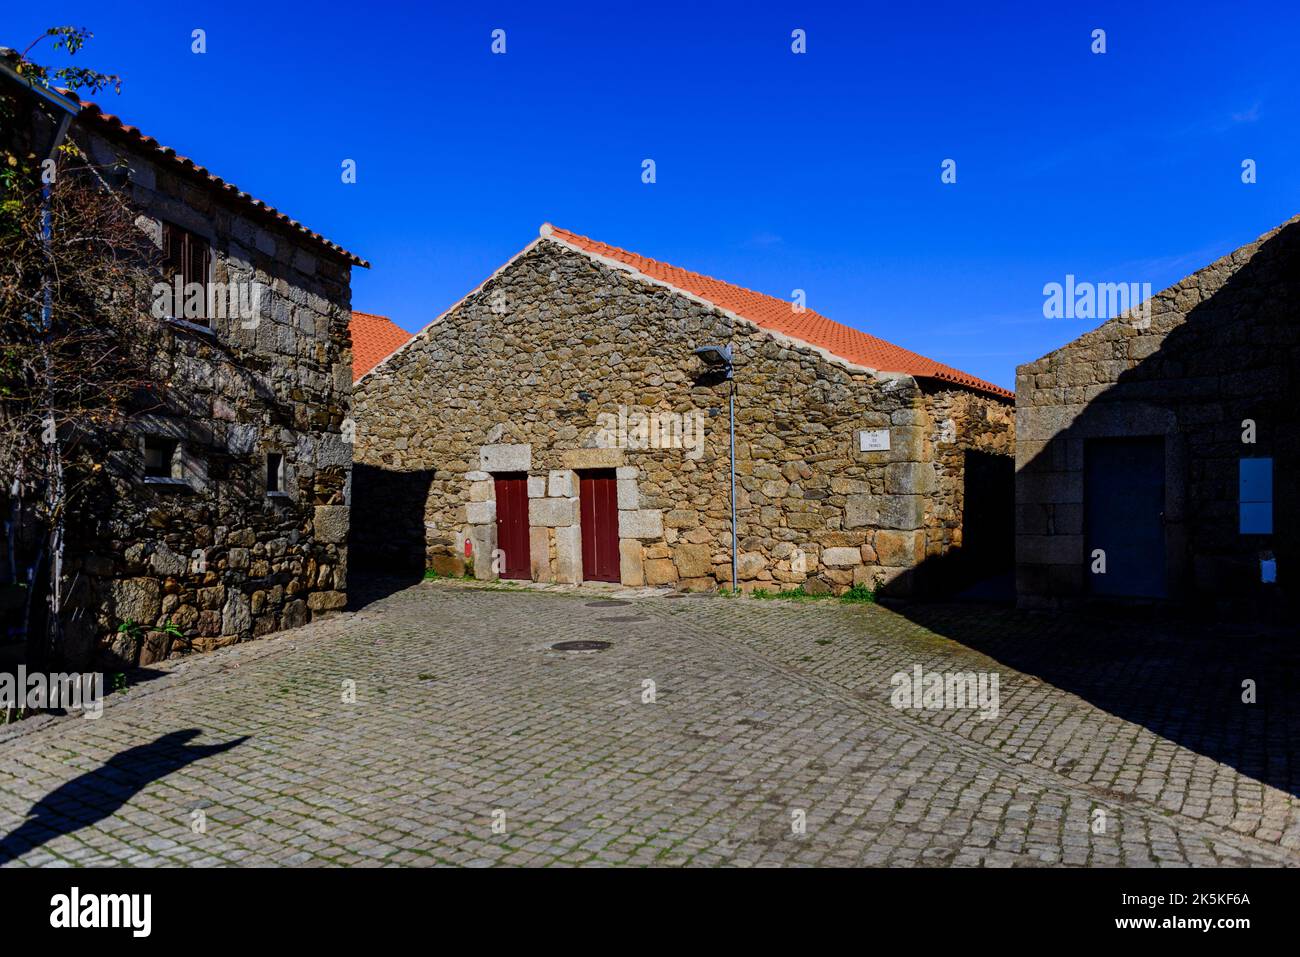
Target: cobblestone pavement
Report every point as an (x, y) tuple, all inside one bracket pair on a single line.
[(472, 742)]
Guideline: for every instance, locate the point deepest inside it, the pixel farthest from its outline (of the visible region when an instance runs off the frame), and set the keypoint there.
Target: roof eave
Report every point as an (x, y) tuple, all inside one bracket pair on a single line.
[(131, 137), (984, 388)]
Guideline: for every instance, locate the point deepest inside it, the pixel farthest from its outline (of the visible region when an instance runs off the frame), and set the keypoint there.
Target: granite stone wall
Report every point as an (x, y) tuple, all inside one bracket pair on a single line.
[(972, 442), (561, 364), (1210, 371), (212, 557)]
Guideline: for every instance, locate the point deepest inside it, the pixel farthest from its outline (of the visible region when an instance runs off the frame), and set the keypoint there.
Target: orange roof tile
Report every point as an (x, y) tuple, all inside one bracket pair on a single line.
[(113, 126), (777, 315), (374, 338)]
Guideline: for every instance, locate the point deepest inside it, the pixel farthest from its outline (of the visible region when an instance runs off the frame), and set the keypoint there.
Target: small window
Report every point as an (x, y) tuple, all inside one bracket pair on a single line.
[(187, 258), (1255, 496), (274, 473), (162, 458)]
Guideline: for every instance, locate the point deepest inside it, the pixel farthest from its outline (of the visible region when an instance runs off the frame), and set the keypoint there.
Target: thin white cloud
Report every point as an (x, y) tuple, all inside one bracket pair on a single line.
[(1247, 116)]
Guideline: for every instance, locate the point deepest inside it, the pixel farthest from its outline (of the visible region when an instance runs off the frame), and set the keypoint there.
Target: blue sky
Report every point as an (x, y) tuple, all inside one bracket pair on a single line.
[(774, 170)]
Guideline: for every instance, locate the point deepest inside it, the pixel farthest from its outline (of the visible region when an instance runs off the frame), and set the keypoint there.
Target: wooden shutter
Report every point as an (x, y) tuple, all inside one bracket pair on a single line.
[(174, 250), (187, 256), (196, 256)]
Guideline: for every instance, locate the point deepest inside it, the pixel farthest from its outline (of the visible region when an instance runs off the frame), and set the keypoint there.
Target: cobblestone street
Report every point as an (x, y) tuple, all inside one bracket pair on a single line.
[(472, 742)]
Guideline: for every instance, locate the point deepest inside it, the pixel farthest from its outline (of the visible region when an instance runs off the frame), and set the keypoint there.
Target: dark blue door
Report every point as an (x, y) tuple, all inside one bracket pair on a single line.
[(1124, 515)]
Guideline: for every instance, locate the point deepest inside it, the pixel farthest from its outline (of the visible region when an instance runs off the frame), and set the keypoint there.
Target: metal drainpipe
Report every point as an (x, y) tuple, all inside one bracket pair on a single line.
[(54, 632), (54, 480), (56, 99), (733, 486)]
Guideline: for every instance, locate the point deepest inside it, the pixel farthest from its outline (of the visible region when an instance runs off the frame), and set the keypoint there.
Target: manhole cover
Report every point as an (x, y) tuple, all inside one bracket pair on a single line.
[(580, 646), (676, 594), (607, 603)]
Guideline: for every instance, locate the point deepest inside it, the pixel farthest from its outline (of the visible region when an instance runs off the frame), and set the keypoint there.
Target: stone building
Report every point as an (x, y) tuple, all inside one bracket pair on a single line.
[(557, 425), (221, 512), (1152, 452)]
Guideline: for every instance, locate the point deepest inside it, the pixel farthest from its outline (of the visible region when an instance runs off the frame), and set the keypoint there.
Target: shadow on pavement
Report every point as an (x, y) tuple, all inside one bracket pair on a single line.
[(1182, 680), (96, 795)]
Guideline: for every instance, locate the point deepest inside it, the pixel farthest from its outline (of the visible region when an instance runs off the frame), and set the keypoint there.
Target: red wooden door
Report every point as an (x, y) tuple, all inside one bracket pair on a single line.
[(512, 524), (598, 497)]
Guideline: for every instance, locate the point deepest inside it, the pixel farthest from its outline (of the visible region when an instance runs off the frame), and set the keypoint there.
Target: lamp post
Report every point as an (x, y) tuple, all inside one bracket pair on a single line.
[(718, 359)]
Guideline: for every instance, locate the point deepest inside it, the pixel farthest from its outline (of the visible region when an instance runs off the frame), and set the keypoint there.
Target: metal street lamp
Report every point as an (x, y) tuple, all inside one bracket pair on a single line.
[(718, 359)]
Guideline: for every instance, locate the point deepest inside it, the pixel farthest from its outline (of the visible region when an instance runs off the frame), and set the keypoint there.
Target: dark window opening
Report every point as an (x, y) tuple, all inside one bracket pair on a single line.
[(274, 473), (161, 458), (187, 258)]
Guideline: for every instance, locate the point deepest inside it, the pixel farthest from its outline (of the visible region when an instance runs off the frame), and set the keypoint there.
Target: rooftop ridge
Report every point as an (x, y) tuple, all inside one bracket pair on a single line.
[(778, 316)]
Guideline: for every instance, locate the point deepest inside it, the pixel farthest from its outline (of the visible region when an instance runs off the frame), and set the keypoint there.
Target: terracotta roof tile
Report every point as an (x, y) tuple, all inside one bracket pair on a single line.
[(374, 338), (113, 126), (779, 316)]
